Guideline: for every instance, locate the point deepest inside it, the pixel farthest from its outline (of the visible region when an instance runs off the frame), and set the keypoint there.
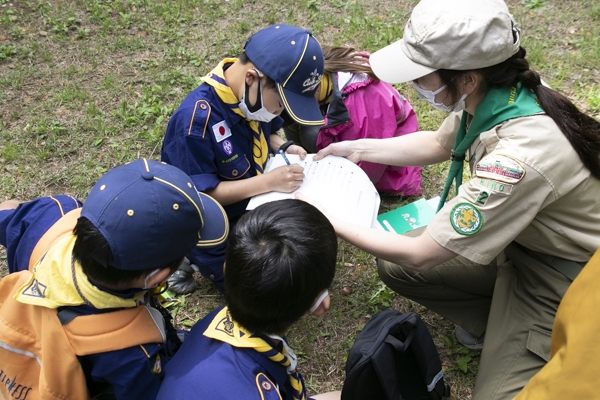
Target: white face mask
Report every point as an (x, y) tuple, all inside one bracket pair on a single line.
[(151, 274), (317, 303), (429, 96), (261, 114)]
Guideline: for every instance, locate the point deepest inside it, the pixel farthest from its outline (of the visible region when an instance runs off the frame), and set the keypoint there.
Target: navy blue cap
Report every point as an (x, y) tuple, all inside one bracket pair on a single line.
[(293, 58), (151, 214)]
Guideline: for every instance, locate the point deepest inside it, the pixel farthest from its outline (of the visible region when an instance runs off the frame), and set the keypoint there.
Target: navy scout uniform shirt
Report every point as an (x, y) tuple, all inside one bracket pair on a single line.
[(205, 368), (211, 143), (131, 373)]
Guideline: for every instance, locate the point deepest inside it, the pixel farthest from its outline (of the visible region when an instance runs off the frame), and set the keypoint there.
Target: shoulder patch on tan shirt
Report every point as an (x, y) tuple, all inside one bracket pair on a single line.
[(500, 168)]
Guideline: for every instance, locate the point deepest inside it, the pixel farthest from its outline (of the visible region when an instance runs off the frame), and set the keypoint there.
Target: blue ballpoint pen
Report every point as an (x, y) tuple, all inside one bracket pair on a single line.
[(282, 150), (284, 157)]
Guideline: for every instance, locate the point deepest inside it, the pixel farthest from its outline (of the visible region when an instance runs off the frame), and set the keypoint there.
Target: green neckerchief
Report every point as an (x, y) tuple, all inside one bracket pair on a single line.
[(498, 105)]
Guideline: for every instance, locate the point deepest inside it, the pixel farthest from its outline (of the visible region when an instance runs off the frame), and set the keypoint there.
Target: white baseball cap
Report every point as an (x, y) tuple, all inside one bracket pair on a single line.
[(449, 34)]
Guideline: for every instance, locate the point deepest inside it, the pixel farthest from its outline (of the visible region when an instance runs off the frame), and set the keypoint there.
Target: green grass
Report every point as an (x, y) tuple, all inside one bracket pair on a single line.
[(86, 85)]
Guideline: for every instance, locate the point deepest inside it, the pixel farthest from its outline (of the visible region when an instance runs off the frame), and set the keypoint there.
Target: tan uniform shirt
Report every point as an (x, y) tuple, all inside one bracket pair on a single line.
[(527, 185)]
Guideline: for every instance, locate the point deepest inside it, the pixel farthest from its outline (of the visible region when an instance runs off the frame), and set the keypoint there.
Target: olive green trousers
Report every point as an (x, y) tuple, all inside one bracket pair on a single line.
[(513, 300)]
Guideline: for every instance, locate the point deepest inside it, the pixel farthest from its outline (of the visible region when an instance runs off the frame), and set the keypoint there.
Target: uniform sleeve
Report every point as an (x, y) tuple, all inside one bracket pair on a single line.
[(21, 228), (492, 209), (133, 373), (188, 147), (446, 134)]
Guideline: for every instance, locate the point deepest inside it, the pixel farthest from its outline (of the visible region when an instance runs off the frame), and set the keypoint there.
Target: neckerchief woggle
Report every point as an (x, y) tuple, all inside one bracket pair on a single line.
[(216, 79), (498, 105), (225, 329)]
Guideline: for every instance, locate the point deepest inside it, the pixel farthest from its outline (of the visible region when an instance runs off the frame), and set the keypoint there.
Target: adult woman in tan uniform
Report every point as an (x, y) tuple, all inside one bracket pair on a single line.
[(498, 257)]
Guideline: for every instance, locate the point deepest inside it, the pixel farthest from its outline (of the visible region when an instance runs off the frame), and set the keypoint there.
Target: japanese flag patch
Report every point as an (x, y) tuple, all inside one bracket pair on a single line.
[(221, 131)]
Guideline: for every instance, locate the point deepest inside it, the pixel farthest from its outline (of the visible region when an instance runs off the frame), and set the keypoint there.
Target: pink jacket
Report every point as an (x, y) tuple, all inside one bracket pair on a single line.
[(374, 110)]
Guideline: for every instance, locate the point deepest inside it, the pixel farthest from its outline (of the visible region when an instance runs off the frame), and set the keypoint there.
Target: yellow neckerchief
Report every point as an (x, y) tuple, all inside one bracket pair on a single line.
[(58, 281), (326, 89), (225, 329), (216, 79)]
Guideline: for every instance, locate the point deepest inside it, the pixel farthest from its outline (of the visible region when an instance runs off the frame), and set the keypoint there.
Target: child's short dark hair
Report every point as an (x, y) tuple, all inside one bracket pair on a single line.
[(269, 83), (92, 251), (279, 257)]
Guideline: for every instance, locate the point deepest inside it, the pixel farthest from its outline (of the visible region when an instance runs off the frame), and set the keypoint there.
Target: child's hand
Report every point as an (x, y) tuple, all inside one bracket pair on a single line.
[(295, 149), (286, 178), (346, 148)]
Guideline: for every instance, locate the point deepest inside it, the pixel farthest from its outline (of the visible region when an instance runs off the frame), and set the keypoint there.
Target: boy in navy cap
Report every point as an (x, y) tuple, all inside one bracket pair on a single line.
[(223, 132), (78, 318), (281, 260)]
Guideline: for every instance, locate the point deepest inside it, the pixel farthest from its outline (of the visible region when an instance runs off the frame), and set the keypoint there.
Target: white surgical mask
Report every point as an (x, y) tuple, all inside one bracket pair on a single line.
[(317, 303), (151, 274), (429, 96), (262, 114)]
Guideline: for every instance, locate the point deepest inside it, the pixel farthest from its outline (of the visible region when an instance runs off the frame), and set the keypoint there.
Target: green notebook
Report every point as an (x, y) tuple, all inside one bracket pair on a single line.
[(411, 216)]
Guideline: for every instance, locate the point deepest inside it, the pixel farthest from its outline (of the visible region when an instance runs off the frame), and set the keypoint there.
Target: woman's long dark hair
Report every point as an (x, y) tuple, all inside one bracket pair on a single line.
[(582, 130)]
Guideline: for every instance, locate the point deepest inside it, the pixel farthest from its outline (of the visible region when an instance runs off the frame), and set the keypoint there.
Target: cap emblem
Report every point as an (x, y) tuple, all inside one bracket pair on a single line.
[(312, 82)]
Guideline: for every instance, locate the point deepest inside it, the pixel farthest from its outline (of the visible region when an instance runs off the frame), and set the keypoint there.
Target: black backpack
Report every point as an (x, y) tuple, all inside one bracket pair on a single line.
[(394, 358)]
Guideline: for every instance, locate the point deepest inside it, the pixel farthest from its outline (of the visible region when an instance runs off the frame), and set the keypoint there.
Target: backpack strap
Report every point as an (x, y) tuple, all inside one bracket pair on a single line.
[(117, 330), (427, 358), (62, 227), (394, 357), (384, 356)]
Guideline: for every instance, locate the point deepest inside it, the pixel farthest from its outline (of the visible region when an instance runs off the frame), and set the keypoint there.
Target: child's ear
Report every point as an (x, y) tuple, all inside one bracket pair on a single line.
[(251, 76), (323, 307)]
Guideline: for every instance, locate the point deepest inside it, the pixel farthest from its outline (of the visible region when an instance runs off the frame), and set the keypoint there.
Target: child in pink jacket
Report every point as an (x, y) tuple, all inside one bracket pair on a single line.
[(357, 105)]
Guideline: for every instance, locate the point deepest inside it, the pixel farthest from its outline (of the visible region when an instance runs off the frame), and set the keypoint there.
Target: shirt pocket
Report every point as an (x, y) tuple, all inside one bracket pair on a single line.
[(234, 167)]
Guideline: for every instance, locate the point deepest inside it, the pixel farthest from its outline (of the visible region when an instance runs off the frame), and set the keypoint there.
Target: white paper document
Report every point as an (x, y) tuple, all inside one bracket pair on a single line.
[(339, 185)]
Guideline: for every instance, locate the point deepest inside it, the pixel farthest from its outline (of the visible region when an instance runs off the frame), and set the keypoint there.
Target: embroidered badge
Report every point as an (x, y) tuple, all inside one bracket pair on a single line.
[(157, 368), (466, 219), (482, 198), (35, 289), (312, 82), (495, 186), (230, 159), (227, 147), (225, 325), (221, 131), (500, 168)]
